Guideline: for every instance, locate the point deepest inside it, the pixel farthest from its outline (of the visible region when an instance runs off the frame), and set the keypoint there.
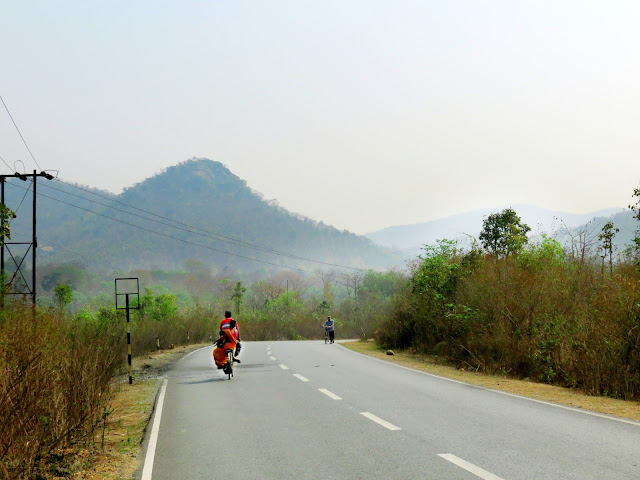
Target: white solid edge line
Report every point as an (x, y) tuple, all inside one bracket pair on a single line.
[(380, 421), (300, 377), (202, 348), (283, 366), (272, 358), (469, 467), (153, 439), (330, 394), (573, 409)]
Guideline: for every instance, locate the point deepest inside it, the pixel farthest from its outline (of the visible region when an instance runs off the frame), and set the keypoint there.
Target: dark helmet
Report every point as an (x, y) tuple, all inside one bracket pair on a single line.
[(227, 314)]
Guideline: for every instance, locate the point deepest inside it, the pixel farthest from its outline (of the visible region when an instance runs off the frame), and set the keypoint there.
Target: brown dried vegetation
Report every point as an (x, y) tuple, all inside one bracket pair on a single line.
[(543, 315), (54, 386)]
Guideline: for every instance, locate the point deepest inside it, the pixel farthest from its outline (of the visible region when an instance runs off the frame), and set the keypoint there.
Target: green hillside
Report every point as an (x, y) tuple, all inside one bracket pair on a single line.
[(226, 213)]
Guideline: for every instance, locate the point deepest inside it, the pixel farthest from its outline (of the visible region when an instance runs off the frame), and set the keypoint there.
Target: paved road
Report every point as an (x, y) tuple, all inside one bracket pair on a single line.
[(306, 410)]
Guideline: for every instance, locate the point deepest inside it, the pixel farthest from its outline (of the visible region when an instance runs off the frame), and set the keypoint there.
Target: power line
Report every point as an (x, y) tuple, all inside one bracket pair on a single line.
[(189, 230), (217, 235), (7, 165), (73, 252), (19, 133), (23, 197), (207, 233), (166, 235)]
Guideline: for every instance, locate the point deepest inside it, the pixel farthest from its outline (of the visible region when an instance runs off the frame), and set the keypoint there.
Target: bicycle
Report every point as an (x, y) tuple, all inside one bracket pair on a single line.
[(326, 336), (228, 368)]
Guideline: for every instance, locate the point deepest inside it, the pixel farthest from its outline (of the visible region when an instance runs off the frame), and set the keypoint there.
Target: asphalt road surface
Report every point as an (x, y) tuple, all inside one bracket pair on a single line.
[(306, 410)]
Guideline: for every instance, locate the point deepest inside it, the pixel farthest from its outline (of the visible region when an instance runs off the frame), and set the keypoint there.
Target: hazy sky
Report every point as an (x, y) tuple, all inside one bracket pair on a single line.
[(362, 114)]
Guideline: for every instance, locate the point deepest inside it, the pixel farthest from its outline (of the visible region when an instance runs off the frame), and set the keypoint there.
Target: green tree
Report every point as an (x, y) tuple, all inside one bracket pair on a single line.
[(238, 293), (323, 307), (5, 218), (547, 253), (51, 280), (504, 233), (5, 231), (70, 273), (606, 237), (383, 284), (635, 208), (63, 295)]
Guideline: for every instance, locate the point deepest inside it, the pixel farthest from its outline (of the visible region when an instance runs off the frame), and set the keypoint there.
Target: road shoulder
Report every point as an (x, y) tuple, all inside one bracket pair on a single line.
[(118, 454), (549, 393)]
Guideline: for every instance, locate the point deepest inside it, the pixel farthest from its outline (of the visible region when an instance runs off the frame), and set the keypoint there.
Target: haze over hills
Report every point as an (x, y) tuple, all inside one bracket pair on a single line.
[(199, 210), (466, 225), (197, 202)]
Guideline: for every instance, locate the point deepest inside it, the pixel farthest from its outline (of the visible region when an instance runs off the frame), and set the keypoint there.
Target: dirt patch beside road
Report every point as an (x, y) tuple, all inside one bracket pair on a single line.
[(119, 454)]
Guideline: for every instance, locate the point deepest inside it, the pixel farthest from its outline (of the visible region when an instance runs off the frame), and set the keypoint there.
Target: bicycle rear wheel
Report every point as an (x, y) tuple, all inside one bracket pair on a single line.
[(230, 363)]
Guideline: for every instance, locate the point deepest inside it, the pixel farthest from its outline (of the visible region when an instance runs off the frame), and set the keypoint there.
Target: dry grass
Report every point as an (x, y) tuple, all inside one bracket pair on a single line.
[(54, 386), (539, 391), (130, 411)]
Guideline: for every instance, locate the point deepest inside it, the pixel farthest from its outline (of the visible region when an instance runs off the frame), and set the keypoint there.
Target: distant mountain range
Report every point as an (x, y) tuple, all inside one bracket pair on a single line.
[(466, 225), (195, 210), (199, 210)]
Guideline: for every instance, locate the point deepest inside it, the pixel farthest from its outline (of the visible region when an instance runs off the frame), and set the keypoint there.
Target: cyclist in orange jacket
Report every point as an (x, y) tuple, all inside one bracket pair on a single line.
[(227, 341), (228, 323)]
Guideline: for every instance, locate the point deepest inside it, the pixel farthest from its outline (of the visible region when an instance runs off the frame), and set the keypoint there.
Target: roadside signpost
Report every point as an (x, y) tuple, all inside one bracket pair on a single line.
[(128, 289)]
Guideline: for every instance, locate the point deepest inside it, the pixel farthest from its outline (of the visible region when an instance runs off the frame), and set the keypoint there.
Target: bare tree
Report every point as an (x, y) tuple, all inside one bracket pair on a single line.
[(582, 240), (294, 281), (268, 289), (327, 277), (351, 282)]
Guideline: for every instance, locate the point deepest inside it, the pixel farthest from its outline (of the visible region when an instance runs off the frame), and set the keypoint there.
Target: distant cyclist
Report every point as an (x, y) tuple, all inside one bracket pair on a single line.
[(329, 326), (230, 324)]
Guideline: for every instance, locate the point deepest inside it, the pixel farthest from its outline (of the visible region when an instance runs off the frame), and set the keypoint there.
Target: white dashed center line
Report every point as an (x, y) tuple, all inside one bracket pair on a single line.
[(380, 421), (272, 358), (300, 377), (469, 467), (284, 367), (329, 394)]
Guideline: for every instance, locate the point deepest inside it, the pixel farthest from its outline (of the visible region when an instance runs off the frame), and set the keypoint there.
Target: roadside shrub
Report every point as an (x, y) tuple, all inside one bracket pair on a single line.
[(54, 385), (536, 315)]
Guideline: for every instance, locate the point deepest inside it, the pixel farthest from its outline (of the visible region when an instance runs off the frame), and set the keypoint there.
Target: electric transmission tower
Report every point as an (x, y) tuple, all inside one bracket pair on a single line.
[(17, 284)]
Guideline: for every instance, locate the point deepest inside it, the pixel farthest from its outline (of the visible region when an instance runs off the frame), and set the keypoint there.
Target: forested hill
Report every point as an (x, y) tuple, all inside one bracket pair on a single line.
[(214, 208)]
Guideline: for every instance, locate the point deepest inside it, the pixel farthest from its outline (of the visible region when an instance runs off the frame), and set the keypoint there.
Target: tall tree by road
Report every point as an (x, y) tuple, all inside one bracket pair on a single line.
[(606, 237), (504, 233), (238, 294), (635, 208)]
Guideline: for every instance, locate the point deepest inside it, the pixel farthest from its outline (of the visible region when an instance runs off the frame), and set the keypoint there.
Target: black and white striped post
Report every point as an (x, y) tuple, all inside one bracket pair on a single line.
[(127, 288), (129, 341)]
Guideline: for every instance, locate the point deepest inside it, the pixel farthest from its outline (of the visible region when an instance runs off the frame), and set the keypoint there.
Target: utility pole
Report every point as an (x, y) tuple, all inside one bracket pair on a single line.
[(129, 288), (2, 250), (32, 245)]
